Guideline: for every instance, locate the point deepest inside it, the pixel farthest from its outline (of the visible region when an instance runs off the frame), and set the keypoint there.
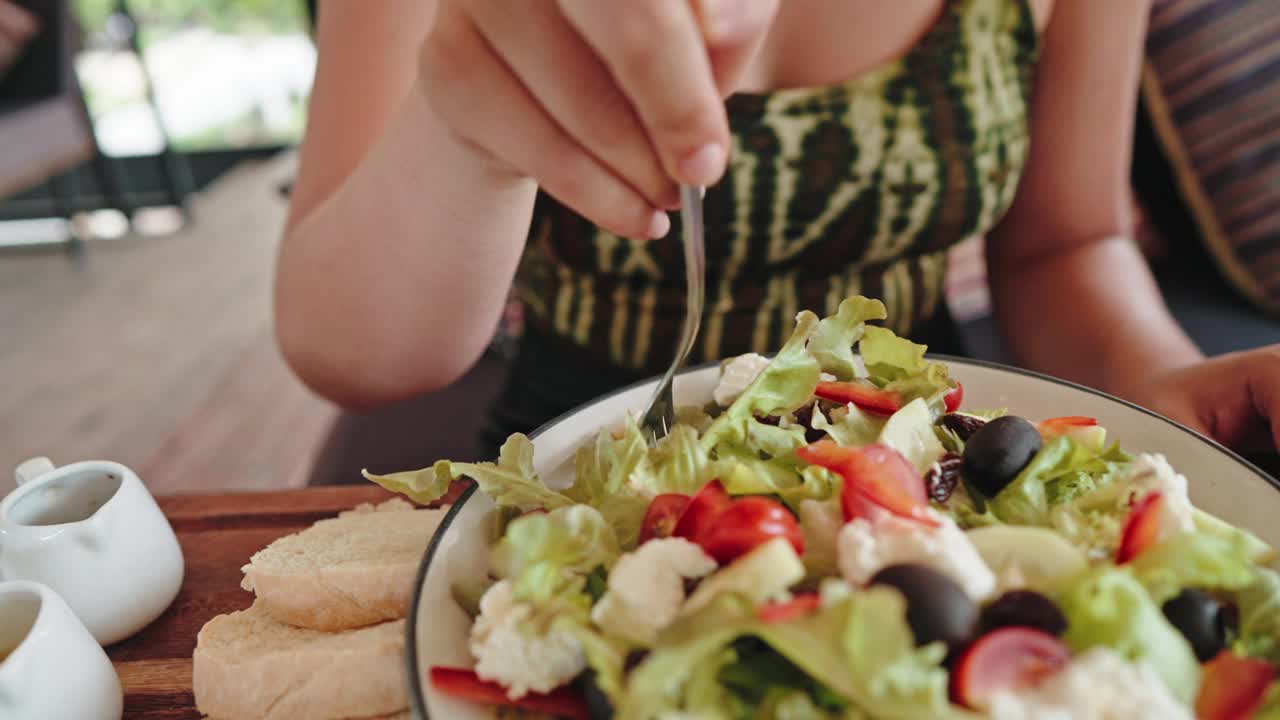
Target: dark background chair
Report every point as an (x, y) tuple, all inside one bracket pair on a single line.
[(44, 126)]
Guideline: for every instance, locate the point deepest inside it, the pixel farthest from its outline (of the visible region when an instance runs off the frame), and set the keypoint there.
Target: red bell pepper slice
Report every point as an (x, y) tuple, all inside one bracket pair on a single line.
[(951, 401), (1062, 425), (1232, 687), (868, 397), (1141, 528), (466, 685), (787, 610), (875, 474)]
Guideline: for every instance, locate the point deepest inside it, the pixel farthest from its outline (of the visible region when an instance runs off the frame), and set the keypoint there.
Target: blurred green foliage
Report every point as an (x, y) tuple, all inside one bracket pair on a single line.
[(160, 19), (231, 16)]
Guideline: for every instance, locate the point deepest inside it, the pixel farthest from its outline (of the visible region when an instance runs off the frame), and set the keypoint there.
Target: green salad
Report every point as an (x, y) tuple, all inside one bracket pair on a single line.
[(837, 536)]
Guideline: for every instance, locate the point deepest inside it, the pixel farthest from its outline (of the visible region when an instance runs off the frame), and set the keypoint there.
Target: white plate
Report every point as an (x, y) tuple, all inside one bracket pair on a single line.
[(1221, 483)]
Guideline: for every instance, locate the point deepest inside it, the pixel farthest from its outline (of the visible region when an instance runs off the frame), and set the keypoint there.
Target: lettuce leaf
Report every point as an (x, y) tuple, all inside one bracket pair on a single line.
[(678, 464), (1107, 606), (625, 514), (606, 656), (626, 464), (706, 696), (788, 478), (781, 388), (511, 481), (1257, 549), (601, 469), (1025, 501), (784, 704), (1193, 559), (897, 364), (751, 456), (849, 425), (618, 476), (859, 649), (966, 514), (889, 357), (910, 432), (775, 440), (1097, 531), (833, 340), (548, 555), (423, 486), (894, 678), (761, 678), (1259, 608), (1063, 471)]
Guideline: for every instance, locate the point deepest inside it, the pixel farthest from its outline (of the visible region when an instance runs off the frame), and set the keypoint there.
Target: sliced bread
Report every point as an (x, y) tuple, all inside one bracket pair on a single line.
[(247, 666), (346, 572)]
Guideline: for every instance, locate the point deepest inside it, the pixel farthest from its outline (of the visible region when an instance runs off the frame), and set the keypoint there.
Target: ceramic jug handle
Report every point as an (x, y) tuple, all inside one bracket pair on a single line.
[(32, 469)]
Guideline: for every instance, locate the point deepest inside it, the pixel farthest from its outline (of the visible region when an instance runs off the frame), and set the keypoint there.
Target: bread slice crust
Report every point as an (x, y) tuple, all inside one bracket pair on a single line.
[(248, 666), (347, 572)]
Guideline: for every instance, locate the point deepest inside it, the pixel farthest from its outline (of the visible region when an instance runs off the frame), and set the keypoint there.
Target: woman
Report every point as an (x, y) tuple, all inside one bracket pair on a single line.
[(859, 141)]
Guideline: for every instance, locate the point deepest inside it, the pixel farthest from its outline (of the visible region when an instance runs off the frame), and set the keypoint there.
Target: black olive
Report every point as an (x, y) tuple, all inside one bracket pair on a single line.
[(998, 451), (938, 609), (598, 705), (1022, 608), (1201, 619)]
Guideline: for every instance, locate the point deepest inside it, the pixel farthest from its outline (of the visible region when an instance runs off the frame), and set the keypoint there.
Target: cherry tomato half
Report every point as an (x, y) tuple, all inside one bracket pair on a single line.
[(661, 517), (701, 511), (1010, 658), (747, 523)]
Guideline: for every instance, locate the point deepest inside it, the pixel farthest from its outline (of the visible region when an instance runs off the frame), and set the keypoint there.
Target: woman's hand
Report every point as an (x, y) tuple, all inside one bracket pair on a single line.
[(606, 105), (1234, 398)]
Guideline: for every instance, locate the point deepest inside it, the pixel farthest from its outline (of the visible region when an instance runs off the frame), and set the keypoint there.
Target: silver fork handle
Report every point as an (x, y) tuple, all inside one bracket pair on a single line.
[(695, 266), (660, 414)]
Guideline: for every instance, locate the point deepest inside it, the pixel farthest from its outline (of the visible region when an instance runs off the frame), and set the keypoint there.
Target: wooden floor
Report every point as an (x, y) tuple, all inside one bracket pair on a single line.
[(158, 353)]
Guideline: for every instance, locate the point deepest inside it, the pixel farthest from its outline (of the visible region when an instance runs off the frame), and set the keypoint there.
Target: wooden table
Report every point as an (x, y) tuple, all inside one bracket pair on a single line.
[(218, 533)]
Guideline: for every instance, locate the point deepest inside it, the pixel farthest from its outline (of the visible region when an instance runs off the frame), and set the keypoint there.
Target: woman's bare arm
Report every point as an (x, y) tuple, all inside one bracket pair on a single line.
[(1072, 296), (402, 240), (418, 185)]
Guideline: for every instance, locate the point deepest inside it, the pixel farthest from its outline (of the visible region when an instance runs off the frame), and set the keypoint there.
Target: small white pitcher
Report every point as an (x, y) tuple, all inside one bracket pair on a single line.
[(51, 668), (92, 533)]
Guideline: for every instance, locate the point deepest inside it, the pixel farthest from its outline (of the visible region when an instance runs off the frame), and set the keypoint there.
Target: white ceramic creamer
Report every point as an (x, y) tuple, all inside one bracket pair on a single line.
[(92, 533), (51, 668)]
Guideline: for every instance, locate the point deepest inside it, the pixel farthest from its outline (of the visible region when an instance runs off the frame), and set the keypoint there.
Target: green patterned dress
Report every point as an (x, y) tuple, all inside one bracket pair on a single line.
[(859, 187)]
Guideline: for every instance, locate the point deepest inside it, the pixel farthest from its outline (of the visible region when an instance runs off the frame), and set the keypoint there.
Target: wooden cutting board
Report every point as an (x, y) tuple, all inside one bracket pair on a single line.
[(218, 534)]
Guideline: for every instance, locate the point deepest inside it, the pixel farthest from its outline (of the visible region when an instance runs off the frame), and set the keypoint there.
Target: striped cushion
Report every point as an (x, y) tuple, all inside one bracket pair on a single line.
[(1212, 88)]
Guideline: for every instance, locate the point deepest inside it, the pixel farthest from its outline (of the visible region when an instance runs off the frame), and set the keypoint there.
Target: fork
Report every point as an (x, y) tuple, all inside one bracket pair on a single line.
[(660, 415)]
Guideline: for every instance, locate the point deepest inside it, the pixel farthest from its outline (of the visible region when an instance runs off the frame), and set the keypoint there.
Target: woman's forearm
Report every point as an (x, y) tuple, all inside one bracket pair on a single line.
[(1091, 313), (394, 283)]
